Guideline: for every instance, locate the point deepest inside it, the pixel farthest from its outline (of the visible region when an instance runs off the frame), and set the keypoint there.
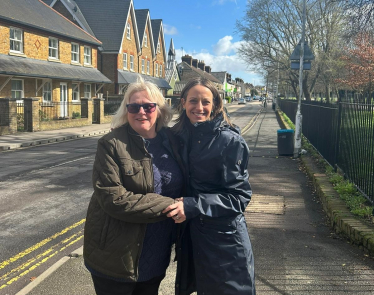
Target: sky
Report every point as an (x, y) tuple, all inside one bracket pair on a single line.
[(204, 29)]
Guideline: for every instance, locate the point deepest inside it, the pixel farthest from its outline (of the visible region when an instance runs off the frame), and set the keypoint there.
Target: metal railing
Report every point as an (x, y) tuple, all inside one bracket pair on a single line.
[(111, 106), (59, 110), (343, 133)]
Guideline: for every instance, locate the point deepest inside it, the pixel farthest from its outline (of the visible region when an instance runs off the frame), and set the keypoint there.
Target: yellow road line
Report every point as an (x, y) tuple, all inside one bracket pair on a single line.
[(40, 244), (38, 264), (30, 261)]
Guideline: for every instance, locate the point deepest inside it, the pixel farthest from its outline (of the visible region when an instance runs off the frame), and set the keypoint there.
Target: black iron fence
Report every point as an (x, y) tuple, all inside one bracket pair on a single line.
[(20, 116), (343, 133), (59, 110), (111, 106)]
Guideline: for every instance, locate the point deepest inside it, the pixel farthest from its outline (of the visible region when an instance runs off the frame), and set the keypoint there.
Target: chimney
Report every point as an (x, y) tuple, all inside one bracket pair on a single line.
[(208, 69), (201, 65), (188, 59), (194, 62)]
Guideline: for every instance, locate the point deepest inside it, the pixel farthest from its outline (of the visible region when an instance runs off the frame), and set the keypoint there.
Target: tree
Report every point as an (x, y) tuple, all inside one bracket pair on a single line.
[(359, 65), (272, 29)]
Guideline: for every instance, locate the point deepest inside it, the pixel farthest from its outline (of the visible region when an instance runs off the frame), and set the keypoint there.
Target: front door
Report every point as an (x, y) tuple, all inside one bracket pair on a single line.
[(63, 100)]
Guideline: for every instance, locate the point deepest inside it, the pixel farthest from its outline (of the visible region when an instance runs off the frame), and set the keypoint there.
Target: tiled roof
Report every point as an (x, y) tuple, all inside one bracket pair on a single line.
[(141, 20), (156, 27), (107, 19), (219, 75), (36, 14), (189, 72), (125, 77), (28, 67)]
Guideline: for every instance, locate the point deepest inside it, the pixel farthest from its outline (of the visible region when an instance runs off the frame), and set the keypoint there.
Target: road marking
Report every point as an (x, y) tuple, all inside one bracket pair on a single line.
[(68, 242), (40, 244)]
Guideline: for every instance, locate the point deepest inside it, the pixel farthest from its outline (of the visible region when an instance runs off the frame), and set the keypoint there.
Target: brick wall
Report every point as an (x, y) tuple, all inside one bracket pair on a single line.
[(160, 58), (146, 55)]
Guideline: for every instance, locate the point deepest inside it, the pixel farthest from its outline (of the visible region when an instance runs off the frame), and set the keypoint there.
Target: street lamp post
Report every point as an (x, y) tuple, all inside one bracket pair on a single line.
[(299, 117)]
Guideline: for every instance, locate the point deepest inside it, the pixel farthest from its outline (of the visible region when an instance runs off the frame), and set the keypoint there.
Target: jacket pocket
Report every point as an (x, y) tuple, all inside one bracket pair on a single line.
[(130, 168)]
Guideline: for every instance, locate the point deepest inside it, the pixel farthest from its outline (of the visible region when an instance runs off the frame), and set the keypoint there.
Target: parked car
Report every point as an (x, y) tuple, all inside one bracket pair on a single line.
[(241, 101), (248, 98)]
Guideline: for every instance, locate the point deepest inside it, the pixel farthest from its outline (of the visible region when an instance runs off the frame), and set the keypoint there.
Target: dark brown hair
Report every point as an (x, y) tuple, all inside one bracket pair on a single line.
[(217, 102)]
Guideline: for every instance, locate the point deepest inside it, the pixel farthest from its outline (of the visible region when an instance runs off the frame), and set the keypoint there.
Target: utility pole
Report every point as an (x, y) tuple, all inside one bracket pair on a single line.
[(299, 117)]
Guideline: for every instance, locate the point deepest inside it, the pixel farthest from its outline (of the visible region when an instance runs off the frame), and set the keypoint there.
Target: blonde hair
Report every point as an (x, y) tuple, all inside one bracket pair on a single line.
[(164, 114)]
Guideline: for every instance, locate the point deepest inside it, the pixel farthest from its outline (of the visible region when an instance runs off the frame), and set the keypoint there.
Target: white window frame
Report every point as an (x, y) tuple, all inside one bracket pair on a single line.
[(15, 40), (21, 91), (131, 63), (143, 65), (47, 91), (87, 55), (158, 47), (87, 93), (145, 40), (53, 48), (156, 74), (75, 53), (76, 92), (160, 70), (125, 61), (128, 31), (148, 67)]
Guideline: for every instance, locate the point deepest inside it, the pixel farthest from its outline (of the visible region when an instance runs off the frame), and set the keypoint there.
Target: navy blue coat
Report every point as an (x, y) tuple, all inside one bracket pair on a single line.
[(214, 252)]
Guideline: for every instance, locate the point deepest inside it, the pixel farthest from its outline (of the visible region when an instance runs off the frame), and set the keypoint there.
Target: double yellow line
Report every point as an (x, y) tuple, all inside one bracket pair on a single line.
[(29, 265)]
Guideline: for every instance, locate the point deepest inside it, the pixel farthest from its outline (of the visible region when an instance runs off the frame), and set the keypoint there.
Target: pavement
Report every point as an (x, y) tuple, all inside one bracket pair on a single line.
[(298, 246)]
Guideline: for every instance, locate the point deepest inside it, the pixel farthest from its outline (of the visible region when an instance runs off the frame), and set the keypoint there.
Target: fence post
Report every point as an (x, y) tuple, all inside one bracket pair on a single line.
[(98, 109), (8, 116), (337, 136), (31, 114)]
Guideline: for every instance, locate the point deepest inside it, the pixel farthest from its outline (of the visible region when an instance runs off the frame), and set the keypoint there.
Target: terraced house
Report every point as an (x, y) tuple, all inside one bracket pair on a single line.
[(132, 43), (48, 66)]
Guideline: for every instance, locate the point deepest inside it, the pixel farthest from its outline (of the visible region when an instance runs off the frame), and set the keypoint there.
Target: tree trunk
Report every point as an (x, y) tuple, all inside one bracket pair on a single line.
[(327, 92)]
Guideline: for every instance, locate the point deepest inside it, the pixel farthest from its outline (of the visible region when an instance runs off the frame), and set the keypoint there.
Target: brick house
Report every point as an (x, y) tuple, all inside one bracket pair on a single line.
[(46, 57), (190, 68), (129, 48)]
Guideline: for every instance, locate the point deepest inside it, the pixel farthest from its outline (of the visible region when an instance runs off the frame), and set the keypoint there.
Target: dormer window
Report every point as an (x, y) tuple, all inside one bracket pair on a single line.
[(128, 31)]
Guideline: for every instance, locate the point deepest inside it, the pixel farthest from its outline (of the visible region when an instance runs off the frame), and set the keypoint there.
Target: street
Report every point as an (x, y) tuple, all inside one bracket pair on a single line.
[(44, 196)]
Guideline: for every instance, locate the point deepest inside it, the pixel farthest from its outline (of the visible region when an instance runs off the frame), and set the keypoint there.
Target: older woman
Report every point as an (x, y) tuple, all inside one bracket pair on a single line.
[(214, 252), (136, 175)]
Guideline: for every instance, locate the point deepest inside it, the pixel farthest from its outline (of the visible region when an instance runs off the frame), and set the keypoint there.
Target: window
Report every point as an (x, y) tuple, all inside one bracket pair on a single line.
[(16, 40), (47, 92), (145, 41), (142, 65), (17, 89), (87, 90), (158, 47), (75, 95), (131, 62), (128, 30), (125, 61), (160, 70), (156, 75), (74, 52), (87, 55), (53, 48), (148, 67)]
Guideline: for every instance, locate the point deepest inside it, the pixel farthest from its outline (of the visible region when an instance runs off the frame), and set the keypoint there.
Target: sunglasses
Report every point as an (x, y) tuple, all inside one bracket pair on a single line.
[(134, 108)]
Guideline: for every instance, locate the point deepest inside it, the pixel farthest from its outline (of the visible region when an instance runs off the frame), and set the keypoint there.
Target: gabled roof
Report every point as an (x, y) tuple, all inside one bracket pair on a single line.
[(158, 30), (193, 72), (108, 19), (143, 20), (38, 15), (220, 76), (171, 48)]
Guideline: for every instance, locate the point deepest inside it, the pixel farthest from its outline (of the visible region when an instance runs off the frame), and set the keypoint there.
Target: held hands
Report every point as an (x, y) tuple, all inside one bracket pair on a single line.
[(176, 211)]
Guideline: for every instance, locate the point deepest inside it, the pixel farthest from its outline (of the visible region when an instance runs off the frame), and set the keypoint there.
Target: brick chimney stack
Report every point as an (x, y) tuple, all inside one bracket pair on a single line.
[(208, 69), (188, 59), (194, 62), (201, 65)]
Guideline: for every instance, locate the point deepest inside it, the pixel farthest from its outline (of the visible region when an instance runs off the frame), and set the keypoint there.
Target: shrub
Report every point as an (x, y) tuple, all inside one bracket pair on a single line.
[(76, 115)]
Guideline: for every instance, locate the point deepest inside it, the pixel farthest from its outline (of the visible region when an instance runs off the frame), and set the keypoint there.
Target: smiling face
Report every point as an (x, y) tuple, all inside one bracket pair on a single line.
[(198, 104), (142, 122)]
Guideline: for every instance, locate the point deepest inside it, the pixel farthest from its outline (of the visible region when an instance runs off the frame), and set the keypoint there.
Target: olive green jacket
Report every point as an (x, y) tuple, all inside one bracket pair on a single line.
[(123, 203)]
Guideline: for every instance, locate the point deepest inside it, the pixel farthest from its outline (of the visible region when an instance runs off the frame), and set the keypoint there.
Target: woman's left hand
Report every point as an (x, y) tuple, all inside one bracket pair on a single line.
[(176, 211)]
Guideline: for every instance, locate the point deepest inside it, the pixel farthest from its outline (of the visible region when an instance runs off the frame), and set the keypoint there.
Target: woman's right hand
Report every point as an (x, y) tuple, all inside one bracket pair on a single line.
[(176, 211)]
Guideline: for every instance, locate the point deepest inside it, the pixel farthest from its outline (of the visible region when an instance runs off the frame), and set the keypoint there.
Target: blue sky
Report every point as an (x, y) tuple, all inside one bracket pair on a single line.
[(204, 29)]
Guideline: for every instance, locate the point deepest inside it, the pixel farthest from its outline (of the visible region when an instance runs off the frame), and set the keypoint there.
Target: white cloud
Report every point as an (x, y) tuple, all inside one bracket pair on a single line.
[(224, 58), (170, 30)]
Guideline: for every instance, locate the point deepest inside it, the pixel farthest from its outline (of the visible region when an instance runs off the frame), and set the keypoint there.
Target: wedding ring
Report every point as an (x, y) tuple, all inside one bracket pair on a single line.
[(177, 217)]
